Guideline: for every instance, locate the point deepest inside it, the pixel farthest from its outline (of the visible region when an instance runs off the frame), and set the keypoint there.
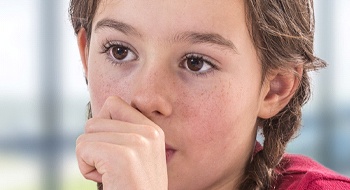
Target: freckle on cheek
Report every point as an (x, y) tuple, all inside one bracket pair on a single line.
[(209, 127)]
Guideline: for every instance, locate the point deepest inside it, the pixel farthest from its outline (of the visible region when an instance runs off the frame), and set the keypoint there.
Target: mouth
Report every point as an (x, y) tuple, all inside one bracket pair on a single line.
[(169, 152)]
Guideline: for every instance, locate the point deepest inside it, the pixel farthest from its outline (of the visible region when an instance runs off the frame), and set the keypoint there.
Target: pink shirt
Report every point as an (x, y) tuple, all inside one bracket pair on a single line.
[(300, 172)]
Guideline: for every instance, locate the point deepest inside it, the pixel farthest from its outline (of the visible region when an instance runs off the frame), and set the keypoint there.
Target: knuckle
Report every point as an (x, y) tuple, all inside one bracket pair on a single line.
[(79, 140), (110, 101), (80, 149), (155, 133), (127, 153), (90, 125), (139, 140), (160, 133)]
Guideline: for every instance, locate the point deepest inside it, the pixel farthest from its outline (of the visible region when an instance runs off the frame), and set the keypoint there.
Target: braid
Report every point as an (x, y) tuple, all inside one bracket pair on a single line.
[(282, 32), (99, 186), (257, 174), (283, 35), (277, 131)]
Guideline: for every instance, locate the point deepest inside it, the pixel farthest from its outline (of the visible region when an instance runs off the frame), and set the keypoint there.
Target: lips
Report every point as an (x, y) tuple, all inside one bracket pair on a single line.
[(169, 152)]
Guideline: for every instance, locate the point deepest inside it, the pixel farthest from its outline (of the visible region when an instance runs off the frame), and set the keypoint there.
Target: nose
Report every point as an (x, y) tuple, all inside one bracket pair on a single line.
[(151, 92)]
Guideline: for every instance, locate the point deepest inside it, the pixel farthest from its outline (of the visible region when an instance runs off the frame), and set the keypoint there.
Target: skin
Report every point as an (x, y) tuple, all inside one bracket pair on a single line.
[(156, 123)]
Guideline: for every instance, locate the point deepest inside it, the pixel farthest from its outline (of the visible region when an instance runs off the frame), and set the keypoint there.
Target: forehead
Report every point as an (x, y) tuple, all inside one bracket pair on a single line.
[(166, 16)]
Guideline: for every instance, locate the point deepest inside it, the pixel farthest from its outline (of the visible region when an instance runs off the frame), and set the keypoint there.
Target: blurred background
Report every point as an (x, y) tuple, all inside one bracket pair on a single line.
[(43, 95)]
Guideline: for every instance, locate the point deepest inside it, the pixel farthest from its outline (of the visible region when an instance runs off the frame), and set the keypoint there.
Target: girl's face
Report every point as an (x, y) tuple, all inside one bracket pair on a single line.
[(191, 68)]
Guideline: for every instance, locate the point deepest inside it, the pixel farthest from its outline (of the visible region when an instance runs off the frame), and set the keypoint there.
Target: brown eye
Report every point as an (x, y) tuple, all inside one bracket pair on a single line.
[(119, 52), (197, 64), (194, 63)]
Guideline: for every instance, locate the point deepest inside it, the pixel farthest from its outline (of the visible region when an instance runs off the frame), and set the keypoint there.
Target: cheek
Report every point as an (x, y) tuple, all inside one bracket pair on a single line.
[(99, 92), (225, 114), (103, 83)]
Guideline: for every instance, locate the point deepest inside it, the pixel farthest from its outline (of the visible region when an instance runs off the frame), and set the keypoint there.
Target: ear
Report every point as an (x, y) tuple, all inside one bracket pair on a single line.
[(279, 87), (83, 49)]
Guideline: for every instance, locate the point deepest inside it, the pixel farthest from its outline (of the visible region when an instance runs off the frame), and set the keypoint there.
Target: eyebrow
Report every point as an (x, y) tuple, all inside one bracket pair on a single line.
[(206, 38), (120, 26), (193, 37)]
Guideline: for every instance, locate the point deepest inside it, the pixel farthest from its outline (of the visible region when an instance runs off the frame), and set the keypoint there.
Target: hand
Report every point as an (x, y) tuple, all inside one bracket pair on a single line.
[(123, 149)]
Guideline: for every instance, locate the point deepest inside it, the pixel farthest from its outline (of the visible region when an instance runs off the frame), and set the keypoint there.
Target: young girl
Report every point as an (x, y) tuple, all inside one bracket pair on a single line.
[(179, 90)]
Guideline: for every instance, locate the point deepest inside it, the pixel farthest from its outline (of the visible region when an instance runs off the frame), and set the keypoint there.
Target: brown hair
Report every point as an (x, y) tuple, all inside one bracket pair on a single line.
[(283, 33), (82, 13)]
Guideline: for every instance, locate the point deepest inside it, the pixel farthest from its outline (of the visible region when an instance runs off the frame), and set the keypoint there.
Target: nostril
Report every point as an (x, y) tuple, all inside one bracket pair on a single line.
[(157, 113), (151, 106), (132, 104), (138, 110)]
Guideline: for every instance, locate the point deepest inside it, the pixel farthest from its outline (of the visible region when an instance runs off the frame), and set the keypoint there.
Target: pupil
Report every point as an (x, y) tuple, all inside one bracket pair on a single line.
[(119, 52), (195, 64)]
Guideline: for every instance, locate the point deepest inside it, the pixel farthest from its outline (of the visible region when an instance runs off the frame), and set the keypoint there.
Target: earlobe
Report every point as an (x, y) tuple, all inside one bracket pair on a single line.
[(83, 49), (279, 89)]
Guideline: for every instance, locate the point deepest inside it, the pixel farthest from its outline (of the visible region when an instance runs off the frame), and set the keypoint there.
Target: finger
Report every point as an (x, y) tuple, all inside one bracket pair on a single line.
[(87, 160), (104, 162), (95, 125), (124, 139), (94, 176), (117, 109)]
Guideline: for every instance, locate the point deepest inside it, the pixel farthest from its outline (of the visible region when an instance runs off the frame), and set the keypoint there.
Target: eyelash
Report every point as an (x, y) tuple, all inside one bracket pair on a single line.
[(203, 58), (107, 45)]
